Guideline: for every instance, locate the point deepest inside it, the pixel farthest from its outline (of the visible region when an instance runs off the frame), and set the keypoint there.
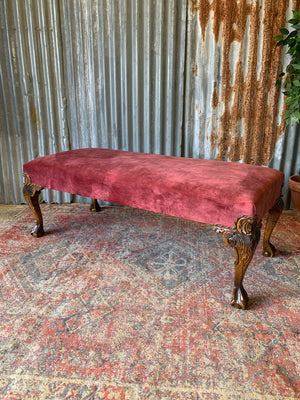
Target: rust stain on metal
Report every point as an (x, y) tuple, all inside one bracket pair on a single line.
[(204, 15), (195, 70), (215, 98), (250, 101), (34, 117)]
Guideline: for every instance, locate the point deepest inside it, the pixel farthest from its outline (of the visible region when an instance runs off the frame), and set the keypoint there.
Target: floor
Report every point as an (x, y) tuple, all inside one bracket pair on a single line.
[(135, 305), (8, 211)]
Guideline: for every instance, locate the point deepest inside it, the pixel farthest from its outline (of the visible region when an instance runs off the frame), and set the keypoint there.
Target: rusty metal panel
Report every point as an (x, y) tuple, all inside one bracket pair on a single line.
[(234, 111)]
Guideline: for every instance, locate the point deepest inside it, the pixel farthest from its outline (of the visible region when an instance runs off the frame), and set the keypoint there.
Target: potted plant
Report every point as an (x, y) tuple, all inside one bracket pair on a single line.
[(289, 80)]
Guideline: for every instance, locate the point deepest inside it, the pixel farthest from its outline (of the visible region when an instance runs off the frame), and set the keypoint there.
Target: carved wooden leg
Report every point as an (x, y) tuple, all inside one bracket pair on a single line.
[(243, 237), (95, 206), (31, 194), (273, 216)]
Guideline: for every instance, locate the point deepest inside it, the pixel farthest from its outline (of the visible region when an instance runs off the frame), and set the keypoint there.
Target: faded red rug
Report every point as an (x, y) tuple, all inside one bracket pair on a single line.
[(127, 304)]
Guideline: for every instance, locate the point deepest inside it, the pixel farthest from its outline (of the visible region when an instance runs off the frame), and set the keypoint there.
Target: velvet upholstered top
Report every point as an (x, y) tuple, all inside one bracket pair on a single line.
[(215, 192)]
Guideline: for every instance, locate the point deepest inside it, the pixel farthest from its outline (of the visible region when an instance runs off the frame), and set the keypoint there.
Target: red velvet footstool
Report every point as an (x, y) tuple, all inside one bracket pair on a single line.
[(232, 196)]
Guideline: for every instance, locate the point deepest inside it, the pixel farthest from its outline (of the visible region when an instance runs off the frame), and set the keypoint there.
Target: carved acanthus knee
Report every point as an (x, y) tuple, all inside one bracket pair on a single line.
[(243, 237), (31, 194)]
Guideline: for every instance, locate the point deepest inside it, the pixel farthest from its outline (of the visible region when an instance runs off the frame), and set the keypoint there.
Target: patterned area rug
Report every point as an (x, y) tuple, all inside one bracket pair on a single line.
[(127, 304)]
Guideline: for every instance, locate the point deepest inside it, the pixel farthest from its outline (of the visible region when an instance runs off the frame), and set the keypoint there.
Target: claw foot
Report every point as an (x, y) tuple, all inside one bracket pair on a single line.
[(269, 250), (239, 298), (273, 216), (94, 207), (38, 231), (243, 237)]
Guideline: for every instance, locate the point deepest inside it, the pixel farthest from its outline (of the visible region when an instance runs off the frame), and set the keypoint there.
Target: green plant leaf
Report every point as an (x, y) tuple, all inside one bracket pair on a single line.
[(292, 34), (294, 118), (297, 114), (292, 21), (296, 14), (290, 39), (284, 31)]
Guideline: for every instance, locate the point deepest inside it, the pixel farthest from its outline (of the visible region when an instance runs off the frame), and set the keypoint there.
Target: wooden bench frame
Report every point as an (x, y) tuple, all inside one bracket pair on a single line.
[(243, 236)]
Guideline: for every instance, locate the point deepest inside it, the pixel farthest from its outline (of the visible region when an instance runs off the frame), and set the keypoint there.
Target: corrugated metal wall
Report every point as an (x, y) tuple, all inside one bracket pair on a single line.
[(182, 77), (32, 95), (124, 71)]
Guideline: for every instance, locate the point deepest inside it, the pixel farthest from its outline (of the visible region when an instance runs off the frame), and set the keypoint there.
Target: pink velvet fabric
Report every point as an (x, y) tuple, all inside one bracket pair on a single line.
[(214, 192)]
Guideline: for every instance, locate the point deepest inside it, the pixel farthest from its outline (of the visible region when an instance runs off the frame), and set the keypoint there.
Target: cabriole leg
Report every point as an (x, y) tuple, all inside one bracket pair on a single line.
[(31, 194), (273, 216), (243, 237), (95, 206)]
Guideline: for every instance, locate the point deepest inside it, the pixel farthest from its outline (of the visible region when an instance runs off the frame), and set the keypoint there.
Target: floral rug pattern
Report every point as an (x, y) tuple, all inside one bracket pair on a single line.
[(126, 304)]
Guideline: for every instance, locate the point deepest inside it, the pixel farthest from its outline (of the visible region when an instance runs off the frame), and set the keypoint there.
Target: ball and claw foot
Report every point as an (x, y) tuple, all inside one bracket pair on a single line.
[(240, 298), (269, 250), (38, 231)]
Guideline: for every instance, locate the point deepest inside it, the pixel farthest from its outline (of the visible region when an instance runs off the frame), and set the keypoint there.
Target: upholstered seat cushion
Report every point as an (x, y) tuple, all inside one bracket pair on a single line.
[(207, 191)]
